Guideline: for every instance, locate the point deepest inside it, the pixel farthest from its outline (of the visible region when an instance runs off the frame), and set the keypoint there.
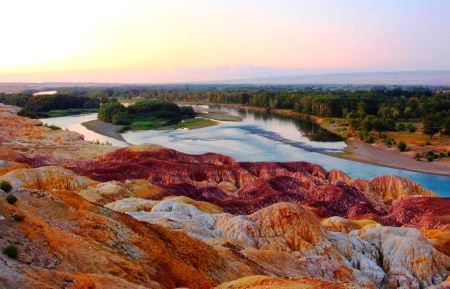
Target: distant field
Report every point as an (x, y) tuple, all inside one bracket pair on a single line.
[(70, 111)]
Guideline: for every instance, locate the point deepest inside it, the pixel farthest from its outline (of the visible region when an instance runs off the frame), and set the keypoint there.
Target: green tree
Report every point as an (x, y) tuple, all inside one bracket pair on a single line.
[(107, 110), (446, 126), (368, 122), (121, 117), (432, 124)]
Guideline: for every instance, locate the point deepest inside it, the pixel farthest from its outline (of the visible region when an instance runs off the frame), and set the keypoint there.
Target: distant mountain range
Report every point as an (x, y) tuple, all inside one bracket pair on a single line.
[(426, 78), (431, 78)]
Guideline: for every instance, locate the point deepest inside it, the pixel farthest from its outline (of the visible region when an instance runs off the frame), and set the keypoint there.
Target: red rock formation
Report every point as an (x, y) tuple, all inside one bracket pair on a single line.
[(427, 212), (391, 188), (257, 184)]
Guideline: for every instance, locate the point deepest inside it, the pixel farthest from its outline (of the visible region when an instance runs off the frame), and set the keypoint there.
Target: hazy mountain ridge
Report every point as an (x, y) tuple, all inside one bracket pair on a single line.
[(425, 78), (431, 78)]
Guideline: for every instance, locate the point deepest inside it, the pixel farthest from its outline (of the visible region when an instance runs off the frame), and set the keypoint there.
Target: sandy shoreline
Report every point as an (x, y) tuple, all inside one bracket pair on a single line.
[(104, 128), (376, 155)]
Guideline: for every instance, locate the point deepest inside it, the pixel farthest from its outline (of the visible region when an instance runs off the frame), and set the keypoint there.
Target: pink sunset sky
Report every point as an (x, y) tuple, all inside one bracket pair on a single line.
[(177, 41)]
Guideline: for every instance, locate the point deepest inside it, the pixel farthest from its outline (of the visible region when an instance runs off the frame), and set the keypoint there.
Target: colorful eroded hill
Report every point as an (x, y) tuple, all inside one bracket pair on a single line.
[(92, 216)]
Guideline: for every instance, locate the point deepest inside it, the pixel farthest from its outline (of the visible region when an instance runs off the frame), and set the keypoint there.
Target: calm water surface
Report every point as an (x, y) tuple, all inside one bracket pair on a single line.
[(74, 122), (259, 137)]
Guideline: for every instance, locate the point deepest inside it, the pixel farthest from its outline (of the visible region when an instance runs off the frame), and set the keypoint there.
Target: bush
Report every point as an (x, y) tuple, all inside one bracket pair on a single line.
[(11, 199), (431, 156), (402, 146), (400, 127), (417, 157), (18, 218), (370, 139), (52, 127), (5, 186), (388, 141), (410, 127), (11, 251)]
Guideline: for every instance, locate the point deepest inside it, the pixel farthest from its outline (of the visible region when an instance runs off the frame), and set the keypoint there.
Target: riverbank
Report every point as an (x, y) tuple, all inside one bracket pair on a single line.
[(375, 154), (359, 151), (104, 128)]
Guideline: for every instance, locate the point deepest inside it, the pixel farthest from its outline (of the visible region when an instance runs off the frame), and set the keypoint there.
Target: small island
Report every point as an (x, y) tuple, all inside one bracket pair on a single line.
[(150, 114)]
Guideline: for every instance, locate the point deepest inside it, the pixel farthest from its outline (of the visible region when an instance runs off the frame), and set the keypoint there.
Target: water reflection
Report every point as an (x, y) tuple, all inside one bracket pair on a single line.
[(306, 127)]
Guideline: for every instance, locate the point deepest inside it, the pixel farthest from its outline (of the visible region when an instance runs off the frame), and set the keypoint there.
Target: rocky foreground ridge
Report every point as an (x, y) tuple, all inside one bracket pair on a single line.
[(90, 216)]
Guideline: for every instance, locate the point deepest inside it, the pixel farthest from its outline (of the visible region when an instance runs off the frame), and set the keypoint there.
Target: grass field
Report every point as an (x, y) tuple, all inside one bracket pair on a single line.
[(160, 124), (70, 111)]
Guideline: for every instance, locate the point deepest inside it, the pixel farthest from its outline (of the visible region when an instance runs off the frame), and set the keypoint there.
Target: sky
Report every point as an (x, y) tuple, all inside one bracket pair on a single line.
[(161, 41)]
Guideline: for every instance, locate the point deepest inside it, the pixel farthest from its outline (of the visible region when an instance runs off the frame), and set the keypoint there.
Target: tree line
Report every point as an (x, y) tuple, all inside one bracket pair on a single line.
[(378, 108), (37, 106)]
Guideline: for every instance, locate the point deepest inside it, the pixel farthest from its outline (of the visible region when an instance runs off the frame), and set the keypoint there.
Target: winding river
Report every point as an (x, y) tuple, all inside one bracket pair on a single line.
[(258, 137)]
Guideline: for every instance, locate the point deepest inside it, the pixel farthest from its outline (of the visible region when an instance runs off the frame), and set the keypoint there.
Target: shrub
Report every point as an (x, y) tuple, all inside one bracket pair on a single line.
[(52, 127), (389, 142), (400, 127), (5, 186), (410, 127), (430, 158), (11, 251), (402, 146), (18, 218), (370, 139), (11, 199), (417, 157)]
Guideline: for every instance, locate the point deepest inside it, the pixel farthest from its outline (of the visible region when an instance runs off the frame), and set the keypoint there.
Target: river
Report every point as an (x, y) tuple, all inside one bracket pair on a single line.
[(259, 136)]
